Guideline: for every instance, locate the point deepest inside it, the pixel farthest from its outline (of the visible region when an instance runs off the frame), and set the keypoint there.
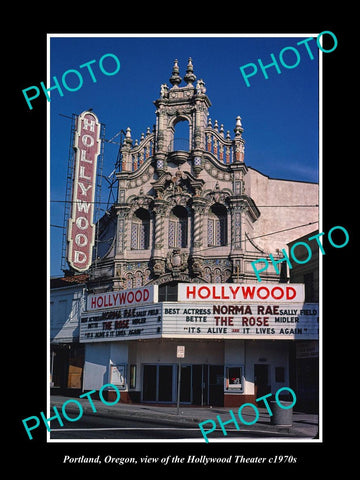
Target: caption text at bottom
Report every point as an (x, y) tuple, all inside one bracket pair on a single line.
[(175, 459)]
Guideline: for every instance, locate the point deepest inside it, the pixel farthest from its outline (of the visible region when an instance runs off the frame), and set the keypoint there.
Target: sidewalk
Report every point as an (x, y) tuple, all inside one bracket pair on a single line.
[(304, 425)]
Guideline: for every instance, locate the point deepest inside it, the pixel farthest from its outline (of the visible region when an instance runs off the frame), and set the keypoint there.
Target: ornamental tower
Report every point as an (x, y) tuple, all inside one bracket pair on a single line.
[(182, 211)]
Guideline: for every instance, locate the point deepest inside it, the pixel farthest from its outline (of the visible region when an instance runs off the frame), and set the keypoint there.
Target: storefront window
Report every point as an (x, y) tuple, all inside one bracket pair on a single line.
[(234, 377)]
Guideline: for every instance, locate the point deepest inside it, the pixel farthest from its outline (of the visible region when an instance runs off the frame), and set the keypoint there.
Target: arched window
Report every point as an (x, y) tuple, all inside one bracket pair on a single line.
[(178, 227), (138, 279), (217, 275), (181, 138), (217, 226), (140, 230), (129, 281), (207, 274)]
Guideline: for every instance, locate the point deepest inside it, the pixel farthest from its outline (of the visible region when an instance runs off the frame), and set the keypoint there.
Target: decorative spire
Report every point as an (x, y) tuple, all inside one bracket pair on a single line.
[(200, 86), (128, 138), (238, 127), (175, 78), (190, 77)]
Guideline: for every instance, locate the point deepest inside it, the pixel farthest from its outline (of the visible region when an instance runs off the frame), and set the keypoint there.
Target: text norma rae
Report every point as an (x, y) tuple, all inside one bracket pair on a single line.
[(233, 420), (72, 80), (288, 61), (57, 415)]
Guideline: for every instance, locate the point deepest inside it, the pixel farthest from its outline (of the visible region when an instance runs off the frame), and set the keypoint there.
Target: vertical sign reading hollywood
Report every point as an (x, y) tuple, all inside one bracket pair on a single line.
[(81, 230)]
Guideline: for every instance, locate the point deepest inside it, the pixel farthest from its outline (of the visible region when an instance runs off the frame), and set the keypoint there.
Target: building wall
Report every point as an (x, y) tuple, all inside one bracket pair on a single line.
[(307, 272), (96, 366), (274, 198), (66, 305), (98, 359), (164, 351), (67, 302)]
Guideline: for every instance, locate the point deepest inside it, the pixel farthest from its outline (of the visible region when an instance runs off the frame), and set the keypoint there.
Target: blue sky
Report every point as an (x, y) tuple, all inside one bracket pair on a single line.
[(279, 114)]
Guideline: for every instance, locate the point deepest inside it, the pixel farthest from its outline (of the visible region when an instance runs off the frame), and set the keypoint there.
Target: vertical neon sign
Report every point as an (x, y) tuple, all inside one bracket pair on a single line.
[(81, 230)]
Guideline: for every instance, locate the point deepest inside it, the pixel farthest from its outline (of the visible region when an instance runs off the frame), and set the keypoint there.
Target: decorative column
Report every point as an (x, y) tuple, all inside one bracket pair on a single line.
[(237, 245), (122, 214), (236, 213), (159, 210), (158, 259), (198, 206)]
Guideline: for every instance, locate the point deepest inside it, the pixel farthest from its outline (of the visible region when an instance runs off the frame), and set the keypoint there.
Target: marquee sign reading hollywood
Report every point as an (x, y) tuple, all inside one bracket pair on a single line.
[(132, 298), (239, 293), (81, 230)]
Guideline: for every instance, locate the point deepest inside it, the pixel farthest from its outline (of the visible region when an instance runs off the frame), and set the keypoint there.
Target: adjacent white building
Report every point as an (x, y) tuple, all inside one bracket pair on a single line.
[(67, 302)]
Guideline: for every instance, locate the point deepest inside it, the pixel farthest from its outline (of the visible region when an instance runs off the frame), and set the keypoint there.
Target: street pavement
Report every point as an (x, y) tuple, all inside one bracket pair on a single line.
[(304, 425)]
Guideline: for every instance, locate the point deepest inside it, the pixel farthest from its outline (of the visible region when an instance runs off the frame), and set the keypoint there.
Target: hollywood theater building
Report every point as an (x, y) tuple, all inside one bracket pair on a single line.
[(173, 287)]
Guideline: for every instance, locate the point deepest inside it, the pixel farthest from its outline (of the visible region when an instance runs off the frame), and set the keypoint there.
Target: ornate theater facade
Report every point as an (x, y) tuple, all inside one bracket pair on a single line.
[(191, 212)]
